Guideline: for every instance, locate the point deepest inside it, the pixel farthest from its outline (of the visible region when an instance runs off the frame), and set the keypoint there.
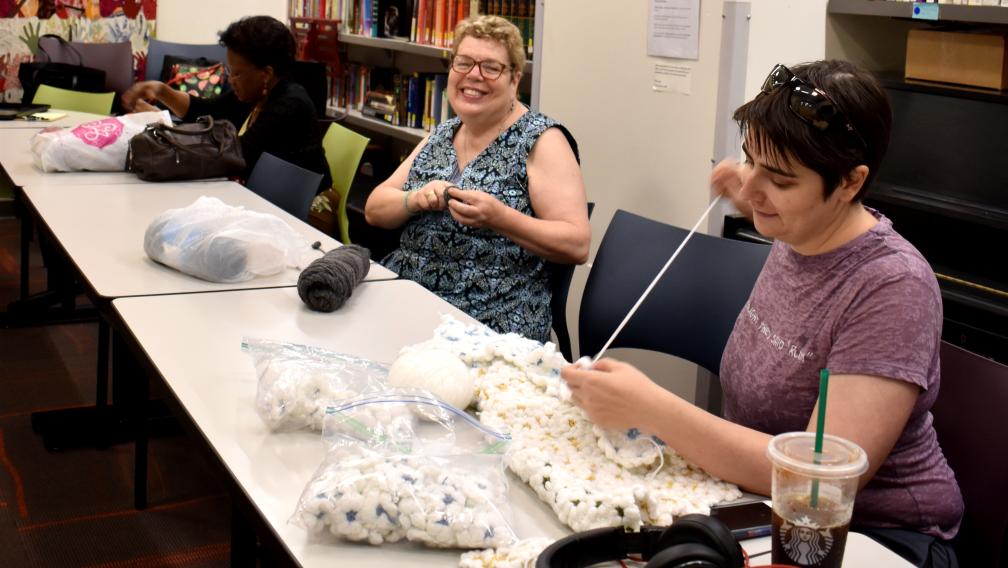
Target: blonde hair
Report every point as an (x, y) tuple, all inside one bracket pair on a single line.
[(497, 29)]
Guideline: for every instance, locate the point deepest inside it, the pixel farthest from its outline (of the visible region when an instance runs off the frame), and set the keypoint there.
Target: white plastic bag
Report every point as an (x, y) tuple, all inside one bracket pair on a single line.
[(97, 146), (220, 243), (439, 482), (298, 382)]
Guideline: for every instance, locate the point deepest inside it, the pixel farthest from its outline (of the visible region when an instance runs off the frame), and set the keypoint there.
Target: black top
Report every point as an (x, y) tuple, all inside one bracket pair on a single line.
[(287, 127)]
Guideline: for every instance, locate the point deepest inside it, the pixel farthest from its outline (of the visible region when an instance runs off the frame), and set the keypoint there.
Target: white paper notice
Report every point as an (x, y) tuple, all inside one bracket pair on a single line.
[(672, 78), (674, 28)]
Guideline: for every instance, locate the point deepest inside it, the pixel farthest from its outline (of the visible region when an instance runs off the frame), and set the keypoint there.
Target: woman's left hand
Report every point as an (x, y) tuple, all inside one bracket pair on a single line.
[(615, 395), (474, 208)]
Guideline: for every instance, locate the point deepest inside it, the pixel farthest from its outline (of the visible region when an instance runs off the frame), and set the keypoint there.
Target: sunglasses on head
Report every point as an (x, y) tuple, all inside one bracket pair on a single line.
[(808, 103)]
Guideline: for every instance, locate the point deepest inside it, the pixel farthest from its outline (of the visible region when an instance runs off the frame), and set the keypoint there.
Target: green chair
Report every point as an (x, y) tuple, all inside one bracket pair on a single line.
[(343, 150), (64, 99)]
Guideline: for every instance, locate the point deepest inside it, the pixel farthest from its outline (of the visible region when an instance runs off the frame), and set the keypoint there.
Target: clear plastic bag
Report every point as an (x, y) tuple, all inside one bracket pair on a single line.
[(297, 382), (220, 243), (97, 146), (439, 482)]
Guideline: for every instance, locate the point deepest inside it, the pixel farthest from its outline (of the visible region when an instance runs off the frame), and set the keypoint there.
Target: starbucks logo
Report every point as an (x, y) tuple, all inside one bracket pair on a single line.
[(804, 542)]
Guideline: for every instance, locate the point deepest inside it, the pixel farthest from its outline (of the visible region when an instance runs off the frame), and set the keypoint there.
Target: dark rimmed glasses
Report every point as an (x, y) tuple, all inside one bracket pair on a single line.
[(488, 68), (810, 104)]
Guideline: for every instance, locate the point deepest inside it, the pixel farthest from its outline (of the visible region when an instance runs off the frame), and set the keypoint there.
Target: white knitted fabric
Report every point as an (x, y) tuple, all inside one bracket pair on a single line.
[(555, 448)]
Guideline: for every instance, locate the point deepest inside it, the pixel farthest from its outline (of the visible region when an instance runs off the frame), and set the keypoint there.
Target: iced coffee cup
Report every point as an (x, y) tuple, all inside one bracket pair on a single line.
[(813, 497)]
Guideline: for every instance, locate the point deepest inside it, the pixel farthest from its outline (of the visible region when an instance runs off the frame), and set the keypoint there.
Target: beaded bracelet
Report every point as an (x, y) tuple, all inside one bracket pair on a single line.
[(405, 200)]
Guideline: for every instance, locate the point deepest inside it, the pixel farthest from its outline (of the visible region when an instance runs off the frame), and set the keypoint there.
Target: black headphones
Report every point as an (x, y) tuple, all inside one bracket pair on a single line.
[(696, 541)]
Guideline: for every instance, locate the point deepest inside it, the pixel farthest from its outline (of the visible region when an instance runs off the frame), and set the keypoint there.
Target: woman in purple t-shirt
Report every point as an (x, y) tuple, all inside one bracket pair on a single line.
[(841, 290)]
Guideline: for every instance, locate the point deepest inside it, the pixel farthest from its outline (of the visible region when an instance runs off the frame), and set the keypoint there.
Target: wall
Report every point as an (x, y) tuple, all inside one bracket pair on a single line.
[(644, 151), (784, 31), (198, 21), (651, 152)]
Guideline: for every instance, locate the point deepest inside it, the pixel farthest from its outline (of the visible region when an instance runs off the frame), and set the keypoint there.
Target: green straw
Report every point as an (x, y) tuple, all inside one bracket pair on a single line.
[(820, 426)]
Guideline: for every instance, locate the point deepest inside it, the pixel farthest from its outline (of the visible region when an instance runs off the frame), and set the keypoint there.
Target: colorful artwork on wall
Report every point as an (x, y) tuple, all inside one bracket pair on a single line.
[(99, 21)]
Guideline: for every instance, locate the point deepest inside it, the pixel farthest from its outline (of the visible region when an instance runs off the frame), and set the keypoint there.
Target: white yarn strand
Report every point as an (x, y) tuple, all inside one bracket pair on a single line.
[(654, 282)]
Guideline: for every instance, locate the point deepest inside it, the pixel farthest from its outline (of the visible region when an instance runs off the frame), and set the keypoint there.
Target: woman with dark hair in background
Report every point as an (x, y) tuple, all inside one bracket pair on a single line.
[(272, 113)]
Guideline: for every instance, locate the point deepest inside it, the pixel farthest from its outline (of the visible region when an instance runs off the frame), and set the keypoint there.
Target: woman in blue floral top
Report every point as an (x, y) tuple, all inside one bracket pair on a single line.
[(490, 195)]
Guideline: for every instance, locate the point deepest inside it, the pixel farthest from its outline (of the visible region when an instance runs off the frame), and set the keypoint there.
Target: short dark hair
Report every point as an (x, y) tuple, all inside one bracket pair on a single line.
[(768, 122), (263, 40)]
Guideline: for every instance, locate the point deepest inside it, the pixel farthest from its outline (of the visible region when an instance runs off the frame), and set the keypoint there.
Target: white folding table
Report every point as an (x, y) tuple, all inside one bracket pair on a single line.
[(101, 227), (72, 118), (192, 342)]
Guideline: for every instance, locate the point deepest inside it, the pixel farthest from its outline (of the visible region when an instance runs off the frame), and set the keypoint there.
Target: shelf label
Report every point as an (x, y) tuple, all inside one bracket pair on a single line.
[(925, 11)]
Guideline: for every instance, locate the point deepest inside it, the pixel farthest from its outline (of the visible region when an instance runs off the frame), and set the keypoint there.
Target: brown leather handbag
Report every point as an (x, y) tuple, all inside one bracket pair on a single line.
[(204, 149)]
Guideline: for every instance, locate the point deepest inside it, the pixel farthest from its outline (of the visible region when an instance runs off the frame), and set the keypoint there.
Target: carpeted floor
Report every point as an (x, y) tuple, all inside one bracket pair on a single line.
[(74, 507)]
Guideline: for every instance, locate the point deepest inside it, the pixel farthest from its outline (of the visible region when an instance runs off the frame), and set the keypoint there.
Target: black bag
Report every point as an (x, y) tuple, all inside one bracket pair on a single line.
[(204, 149), (62, 75)]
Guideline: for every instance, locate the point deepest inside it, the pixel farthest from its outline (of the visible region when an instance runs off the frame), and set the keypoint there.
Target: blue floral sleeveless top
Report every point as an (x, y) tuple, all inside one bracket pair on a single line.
[(482, 273)]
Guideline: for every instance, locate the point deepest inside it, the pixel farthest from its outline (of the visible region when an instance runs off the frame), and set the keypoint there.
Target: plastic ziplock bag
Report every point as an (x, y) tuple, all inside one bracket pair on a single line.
[(440, 482), (297, 382), (97, 146), (220, 243)]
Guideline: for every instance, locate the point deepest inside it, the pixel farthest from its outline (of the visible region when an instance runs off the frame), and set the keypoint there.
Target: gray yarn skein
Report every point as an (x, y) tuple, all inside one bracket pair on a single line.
[(327, 282)]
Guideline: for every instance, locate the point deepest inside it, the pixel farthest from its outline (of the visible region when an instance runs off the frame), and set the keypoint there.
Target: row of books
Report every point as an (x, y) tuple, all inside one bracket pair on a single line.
[(415, 100), (428, 22)]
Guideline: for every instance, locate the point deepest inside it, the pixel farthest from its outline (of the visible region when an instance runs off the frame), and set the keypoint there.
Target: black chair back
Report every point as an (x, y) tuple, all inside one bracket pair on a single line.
[(973, 433), (288, 186), (312, 76), (690, 313), (560, 276)]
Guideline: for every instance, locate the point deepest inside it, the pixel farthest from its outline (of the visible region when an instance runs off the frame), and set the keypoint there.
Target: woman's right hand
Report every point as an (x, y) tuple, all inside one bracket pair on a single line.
[(144, 91), (430, 197), (726, 179)]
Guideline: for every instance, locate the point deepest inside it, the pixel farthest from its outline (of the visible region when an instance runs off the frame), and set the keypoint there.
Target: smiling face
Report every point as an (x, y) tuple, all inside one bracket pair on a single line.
[(247, 80), (787, 198), (471, 94)]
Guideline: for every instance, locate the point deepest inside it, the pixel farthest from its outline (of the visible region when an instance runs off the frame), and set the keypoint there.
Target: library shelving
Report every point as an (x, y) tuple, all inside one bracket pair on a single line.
[(941, 182), (896, 9)]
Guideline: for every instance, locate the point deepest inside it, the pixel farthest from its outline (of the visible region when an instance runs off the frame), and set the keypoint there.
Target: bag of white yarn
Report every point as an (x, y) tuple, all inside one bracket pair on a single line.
[(296, 383), (436, 371), (440, 483)]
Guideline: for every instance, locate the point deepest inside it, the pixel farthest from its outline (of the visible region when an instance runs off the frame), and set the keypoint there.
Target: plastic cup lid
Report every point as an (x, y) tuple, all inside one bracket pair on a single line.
[(795, 451)]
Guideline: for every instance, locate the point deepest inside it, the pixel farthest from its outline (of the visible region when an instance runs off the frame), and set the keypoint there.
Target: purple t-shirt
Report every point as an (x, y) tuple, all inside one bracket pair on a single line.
[(870, 307)]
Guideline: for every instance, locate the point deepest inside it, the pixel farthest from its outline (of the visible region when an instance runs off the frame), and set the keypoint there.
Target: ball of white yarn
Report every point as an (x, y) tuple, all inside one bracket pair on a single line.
[(439, 372)]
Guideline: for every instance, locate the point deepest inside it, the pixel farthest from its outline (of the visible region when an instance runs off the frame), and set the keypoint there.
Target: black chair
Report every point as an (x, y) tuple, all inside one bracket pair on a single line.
[(690, 312), (560, 276), (312, 76), (973, 433), (289, 187)]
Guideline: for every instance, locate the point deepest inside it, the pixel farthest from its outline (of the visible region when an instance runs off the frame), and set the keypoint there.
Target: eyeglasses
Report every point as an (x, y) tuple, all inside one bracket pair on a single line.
[(810, 104), (488, 68)]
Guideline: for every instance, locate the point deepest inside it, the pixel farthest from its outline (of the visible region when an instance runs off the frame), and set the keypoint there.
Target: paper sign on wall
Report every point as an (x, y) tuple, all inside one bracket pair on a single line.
[(672, 78), (674, 28)]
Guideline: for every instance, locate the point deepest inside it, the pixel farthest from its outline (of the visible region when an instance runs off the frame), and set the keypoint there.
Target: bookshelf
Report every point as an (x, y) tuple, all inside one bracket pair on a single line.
[(897, 9), (399, 56), (941, 180), (403, 133)]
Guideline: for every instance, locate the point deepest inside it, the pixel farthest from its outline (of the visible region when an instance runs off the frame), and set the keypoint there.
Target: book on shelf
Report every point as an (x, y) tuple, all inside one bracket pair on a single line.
[(394, 18), (377, 114)]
